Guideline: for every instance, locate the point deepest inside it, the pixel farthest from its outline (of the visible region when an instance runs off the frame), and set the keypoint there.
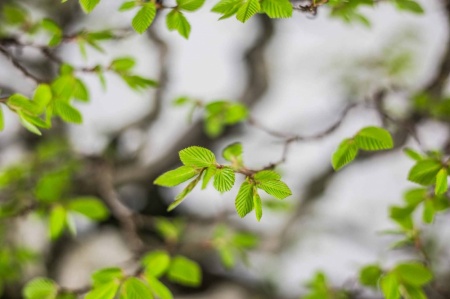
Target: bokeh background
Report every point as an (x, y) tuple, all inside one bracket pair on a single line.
[(304, 72)]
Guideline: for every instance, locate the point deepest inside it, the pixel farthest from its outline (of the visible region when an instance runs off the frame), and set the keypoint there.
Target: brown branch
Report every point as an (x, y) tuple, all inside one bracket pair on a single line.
[(20, 67)]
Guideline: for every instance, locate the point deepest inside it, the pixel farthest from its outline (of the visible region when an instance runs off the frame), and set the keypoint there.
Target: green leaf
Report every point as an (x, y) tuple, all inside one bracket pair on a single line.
[(197, 156), (175, 20), (413, 154), (137, 82), (424, 172), (227, 8), (156, 263), (389, 286), (345, 153), (369, 275), (257, 204), (104, 291), (80, 91), (415, 196), (68, 113), (413, 273), (277, 8), (190, 5), (127, 5), (224, 179), (57, 221), (185, 272), (40, 288), (428, 211), (266, 175), (374, 139), (226, 256), (244, 199), (176, 176), (2, 120), (50, 187), (275, 188), (144, 18), (234, 113), (180, 197), (134, 288), (233, 152), (247, 10), (122, 64), (441, 182), (89, 5), (42, 96), (90, 207), (209, 173), (159, 289), (107, 275), (410, 6)]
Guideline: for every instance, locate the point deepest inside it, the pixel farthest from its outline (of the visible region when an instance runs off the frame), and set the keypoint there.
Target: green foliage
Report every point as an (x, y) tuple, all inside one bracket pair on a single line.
[(277, 8), (244, 199), (90, 207), (89, 5), (224, 179), (405, 280), (197, 156), (200, 162), (185, 272), (156, 263), (370, 275), (144, 18), (368, 139), (176, 20), (40, 288), (319, 288), (231, 245), (176, 176)]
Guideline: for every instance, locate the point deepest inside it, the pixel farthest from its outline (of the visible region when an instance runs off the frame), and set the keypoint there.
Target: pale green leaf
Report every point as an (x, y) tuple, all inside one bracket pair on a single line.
[(122, 64), (57, 221), (104, 291), (233, 152), (134, 288), (158, 288), (2, 120), (224, 179), (441, 182), (390, 286), (266, 175), (209, 173), (144, 18), (40, 288), (107, 275), (176, 176), (180, 197), (345, 153), (275, 188), (424, 172), (90, 207), (197, 156), (175, 20), (374, 139), (185, 272), (67, 112), (190, 5), (277, 8), (156, 263), (413, 273), (257, 204), (89, 5), (244, 199), (247, 10), (227, 8)]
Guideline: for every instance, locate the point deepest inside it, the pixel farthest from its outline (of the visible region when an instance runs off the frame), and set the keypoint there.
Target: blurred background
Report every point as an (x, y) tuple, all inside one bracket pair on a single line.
[(297, 76)]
